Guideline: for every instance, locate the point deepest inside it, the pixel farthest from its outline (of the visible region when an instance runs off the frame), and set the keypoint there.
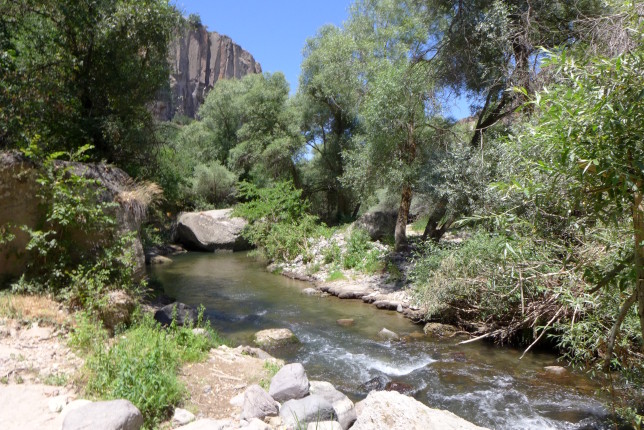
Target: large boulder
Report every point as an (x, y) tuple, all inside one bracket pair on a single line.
[(342, 405), (290, 382), (181, 313), (20, 205), (298, 413), (258, 404), (211, 231), (390, 410), (379, 224), (111, 415)]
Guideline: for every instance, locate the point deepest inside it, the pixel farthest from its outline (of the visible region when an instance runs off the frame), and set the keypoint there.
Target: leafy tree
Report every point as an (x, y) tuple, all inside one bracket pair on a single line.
[(328, 97), (83, 71), (486, 47), (399, 110), (591, 127)]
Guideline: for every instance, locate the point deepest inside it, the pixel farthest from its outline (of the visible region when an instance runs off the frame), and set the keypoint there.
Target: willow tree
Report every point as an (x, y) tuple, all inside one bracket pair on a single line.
[(592, 127), (399, 106), (328, 96), (484, 48)]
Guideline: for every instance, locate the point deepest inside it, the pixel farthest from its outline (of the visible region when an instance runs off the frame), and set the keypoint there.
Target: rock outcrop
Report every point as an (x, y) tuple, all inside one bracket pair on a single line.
[(198, 59), (20, 205), (211, 231)]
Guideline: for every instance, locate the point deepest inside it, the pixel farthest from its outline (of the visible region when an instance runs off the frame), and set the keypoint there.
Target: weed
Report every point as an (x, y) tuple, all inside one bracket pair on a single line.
[(142, 364), (272, 367), (335, 275), (57, 379)]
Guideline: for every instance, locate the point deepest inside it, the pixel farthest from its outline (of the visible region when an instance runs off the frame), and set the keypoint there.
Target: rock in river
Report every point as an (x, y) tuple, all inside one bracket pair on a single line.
[(274, 337), (182, 314), (211, 231)]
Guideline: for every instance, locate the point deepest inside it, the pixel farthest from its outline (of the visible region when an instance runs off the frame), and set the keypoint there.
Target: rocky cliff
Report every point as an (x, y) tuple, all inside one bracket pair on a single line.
[(199, 58)]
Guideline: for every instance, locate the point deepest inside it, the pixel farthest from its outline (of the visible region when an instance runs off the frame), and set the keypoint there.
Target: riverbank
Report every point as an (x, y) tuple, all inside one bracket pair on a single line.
[(43, 385)]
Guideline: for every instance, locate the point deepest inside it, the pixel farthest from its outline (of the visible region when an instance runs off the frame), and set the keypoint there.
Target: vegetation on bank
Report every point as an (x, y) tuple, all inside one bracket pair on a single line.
[(543, 182), (142, 362)]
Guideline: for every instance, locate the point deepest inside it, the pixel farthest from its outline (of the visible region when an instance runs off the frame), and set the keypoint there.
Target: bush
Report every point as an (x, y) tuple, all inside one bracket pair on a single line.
[(278, 223), (360, 253), (488, 277), (212, 185), (142, 365)]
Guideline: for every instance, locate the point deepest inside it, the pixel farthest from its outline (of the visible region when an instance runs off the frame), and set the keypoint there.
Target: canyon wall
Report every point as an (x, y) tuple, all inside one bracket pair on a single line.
[(198, 59)]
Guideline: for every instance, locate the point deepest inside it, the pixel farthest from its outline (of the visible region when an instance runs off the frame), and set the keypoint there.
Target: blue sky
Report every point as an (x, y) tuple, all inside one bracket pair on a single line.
[(274, 31)]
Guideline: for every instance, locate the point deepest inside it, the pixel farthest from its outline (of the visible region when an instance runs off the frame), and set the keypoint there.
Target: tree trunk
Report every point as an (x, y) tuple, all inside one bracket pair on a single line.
[(638, 227), (400, 235)]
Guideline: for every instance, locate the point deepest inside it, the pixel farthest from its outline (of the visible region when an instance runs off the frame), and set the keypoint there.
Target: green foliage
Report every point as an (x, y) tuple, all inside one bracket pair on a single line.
[(488, 277), (336, 275), (79, 253), (328, 98), (83, 72), (247, 129), (360, 254), (278, 222), (212, 185), (272, 368), (142, 364)]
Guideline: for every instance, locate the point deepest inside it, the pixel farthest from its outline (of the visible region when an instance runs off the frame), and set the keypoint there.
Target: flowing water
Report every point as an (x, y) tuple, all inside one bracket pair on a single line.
[(482, 383)]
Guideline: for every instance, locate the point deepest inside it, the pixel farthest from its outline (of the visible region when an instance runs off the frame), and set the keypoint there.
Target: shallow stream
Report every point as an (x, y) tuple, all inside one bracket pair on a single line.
[(482, 383)]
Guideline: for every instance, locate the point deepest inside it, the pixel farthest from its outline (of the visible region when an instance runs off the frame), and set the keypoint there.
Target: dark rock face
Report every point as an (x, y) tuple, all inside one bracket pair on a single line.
[(198, 59), (183, 314), (378, 224)]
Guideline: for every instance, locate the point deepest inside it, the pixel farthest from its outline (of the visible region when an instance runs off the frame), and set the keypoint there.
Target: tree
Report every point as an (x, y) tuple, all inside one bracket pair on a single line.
[(591, 126), (487, 47), (83, 71), (328, 97), (399, 109)]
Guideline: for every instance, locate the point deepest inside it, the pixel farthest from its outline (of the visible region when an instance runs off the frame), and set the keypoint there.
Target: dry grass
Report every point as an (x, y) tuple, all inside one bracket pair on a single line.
[(32, 308), (139, 197)]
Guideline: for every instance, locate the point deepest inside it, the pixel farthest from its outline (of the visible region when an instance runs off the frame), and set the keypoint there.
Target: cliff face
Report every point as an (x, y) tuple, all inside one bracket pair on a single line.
[(198, 59)]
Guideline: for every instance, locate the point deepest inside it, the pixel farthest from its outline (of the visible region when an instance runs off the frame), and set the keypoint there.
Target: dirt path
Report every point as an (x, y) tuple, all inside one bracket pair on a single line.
[(36, 366), (225, 374)]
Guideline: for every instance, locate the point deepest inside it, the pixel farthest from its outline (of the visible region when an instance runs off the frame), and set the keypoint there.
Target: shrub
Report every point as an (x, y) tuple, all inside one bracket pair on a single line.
[(212, 185), (360, 253), (142, 364), (278, 222)]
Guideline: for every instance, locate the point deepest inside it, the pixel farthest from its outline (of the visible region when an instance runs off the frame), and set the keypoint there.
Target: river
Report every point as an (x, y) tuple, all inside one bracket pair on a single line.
[(480, 382)]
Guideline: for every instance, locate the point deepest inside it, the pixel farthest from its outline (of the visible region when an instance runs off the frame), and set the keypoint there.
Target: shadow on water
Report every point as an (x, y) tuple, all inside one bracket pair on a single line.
[(480, 382)]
